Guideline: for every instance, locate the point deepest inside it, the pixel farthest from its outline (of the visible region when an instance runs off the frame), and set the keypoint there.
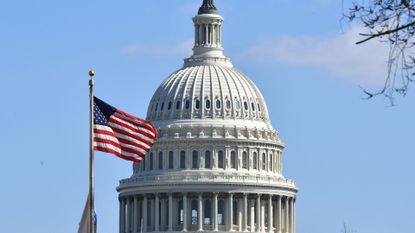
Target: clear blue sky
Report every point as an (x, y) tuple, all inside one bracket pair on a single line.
[(352, 159)]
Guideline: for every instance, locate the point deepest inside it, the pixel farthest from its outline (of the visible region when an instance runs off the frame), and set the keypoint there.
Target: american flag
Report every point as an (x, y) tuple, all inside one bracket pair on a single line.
[(120, 133)]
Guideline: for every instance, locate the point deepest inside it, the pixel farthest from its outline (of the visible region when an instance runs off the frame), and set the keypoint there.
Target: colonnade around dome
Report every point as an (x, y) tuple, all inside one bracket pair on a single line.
[(207, 212)]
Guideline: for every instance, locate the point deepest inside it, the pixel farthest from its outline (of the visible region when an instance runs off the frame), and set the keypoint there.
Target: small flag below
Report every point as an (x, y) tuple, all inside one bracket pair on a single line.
[(120, 133), (83, 224)]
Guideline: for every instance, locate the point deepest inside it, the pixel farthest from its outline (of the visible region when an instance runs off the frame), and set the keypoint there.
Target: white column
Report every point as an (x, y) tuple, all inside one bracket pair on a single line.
[(292, 215), (287, 216), (170, 212), (245, 213), (196, 35), (200, 212), (156, 213), (263, 216), (230, 212), (258, 213), (135, 215), (122, 215), (279, 213), (240, 214), (184, 211), (252, 211), (129, 214), (270, 214), (144, 213), (215, 212)]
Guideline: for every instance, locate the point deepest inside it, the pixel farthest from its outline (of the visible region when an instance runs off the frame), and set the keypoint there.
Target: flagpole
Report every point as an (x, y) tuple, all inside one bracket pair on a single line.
[(91, 152)]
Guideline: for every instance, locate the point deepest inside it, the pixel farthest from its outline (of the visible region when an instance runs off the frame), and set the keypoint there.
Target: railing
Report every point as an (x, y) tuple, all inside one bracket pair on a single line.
[(207, 178)]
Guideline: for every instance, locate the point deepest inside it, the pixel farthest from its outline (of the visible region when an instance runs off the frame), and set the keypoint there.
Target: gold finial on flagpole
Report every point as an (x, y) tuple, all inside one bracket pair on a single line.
[(91, 73)]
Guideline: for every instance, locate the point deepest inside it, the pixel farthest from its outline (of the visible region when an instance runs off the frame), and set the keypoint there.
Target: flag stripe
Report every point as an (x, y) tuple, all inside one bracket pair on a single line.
[(123, 131), (121, 137), (119, 143), (127, 125), (108, 150), (120, 133), (123, 148), (133, 121), (138, 120)]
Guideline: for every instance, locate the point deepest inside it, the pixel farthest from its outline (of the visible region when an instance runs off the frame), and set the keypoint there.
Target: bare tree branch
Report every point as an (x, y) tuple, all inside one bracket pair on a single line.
[(371, 36)]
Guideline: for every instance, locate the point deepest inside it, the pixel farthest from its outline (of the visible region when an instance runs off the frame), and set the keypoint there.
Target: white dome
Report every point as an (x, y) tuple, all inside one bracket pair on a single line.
[(217, 163), (208, 92)]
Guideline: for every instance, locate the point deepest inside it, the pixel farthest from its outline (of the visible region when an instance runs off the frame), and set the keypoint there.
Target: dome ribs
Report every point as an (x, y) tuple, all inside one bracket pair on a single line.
[(220, 91), (231, 95), (233, 109)]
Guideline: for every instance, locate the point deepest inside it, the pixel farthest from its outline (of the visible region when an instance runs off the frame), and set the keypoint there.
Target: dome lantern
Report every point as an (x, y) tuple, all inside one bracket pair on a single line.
[(208, 37)]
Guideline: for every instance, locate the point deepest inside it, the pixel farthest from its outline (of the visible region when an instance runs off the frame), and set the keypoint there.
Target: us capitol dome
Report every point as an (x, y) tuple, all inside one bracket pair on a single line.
[(217, 164)]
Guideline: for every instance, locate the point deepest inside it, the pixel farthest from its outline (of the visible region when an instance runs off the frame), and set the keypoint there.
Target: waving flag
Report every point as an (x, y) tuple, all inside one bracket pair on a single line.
[(120, 133)]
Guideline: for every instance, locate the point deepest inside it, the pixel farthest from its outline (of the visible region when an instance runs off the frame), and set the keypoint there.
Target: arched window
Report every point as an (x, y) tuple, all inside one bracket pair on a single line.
[(271, 160), (228, 104), (195, 160), (218, 104), (221, 212), (187, 104), (197, 104), (178, 105), (151, 161), (162, 106), (161, 160), (182, 159), (180, 213), (208, 104), (207, 218), (255, 161), (157, 106), (220, 160), (237, 104), (264, 161), (144, 164), (233, 159), (194, 212), (245, 160), (259, 108), (169, 106), (171, 160), (246, 106), (253, 106), (207, 160)]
